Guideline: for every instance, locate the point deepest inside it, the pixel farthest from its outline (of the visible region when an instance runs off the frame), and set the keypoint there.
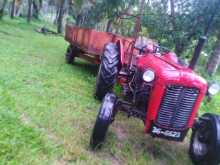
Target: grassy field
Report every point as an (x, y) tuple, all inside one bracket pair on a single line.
[(47, 109)]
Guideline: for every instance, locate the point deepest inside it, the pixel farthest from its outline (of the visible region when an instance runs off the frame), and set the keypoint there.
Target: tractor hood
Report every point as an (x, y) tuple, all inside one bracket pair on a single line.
[(168, 71)]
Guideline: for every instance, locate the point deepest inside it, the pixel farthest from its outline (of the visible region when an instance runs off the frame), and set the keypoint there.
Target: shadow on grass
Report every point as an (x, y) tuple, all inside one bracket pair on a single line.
[(86, 67)]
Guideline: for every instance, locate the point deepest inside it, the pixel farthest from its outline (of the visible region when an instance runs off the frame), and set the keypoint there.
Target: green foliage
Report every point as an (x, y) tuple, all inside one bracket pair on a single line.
[(181, 30), (91, 15)]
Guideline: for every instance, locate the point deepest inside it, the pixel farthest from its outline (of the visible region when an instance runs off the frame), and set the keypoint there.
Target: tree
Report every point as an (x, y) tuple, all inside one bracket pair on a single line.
[(36, 8), (137, 27), (177, 24), (2, 9), (104, 15), (60, 16), (13, 8), (214, 59), (18, 4), (29, 15)]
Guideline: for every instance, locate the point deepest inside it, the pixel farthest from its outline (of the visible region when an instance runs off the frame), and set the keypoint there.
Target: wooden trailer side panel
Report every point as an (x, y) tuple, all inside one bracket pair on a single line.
[(98, 40), (92, 42)]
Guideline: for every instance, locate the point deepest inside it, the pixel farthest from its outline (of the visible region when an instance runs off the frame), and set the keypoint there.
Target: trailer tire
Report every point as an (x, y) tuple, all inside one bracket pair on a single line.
[(104, 118), (108, 71), (205, 141), (70, 54)]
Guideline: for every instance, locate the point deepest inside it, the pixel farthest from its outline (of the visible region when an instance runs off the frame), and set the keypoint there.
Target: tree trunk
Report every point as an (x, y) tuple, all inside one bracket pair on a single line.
[(18, 4), (173, 15), (35, 10), (12, 9), (78, 20), (109, 26), (60, 17), (57, 14), (2, 9), (29, 16), (179, 47), (40, 4), (137, 27), (214, 60), (70, 7)]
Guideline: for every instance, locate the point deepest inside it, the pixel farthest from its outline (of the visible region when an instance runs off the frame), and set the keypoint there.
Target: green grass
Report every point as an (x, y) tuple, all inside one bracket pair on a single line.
[(47, 109)]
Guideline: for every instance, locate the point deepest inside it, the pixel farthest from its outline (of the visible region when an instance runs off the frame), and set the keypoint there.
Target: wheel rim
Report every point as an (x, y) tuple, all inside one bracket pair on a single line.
[(199, 148), (202, 141), (69, 51)]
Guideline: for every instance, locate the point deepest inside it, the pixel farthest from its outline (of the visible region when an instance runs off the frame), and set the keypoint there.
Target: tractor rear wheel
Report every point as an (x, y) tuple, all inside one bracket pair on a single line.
[(205, 141), (108, 71), (104, 118), (70, 54)]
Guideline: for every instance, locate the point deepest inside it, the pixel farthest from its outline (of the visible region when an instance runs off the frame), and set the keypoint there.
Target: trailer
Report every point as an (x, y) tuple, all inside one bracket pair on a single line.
[(88, 43)]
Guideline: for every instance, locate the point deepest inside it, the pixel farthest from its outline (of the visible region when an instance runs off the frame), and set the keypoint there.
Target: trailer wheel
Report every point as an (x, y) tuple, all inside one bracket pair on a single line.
[(104, 118), (70, 54), (108, 71), (205, 141)]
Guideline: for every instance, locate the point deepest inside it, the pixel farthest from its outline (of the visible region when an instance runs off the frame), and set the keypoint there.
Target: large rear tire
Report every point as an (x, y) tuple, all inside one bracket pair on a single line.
[(205, 141), (108, 71), (104, 119)]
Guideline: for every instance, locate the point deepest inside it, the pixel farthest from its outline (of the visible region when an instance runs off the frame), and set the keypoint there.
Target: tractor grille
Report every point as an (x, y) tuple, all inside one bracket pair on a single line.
[(176, 106)]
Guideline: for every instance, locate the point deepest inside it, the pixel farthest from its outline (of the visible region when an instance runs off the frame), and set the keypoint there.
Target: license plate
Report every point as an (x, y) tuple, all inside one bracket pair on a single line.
[(160, 131), (168, 133)]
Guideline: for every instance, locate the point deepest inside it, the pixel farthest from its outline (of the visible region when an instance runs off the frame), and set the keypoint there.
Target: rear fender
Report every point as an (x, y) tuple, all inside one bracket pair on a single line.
[(121, 52)]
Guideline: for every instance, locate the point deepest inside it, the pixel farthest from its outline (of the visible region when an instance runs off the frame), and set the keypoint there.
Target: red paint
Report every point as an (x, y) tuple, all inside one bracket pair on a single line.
[(92, 41), (169, 72)]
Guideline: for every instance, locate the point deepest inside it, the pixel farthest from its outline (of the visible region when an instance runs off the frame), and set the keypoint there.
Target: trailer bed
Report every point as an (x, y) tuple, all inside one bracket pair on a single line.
[(92, 42)]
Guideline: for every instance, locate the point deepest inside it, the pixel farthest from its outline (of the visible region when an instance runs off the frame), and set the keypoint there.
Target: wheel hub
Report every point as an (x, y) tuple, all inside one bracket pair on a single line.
[(200, 148)]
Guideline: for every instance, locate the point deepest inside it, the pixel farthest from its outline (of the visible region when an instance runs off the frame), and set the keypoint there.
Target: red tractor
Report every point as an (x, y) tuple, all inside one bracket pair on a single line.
[(157, 88)]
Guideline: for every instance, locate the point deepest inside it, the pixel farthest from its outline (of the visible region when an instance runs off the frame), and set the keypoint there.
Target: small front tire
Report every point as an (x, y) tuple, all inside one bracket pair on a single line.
[(103, 120), (205, 141)]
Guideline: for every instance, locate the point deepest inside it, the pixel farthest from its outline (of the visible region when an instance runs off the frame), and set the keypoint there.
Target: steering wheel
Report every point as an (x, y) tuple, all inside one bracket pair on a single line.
[(142, 49), (159, 48)]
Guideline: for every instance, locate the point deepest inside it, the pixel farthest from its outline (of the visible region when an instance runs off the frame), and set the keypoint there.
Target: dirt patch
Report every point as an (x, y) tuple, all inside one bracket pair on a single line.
[(158, 148), (60, 162), (154, 151), (115, 161), (25, 119), (120, 132), (108, 156)]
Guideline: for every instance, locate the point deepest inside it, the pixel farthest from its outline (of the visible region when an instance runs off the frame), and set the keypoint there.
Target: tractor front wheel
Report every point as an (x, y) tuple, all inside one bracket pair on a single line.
[(205, 141), (104, 118), (108, 71)]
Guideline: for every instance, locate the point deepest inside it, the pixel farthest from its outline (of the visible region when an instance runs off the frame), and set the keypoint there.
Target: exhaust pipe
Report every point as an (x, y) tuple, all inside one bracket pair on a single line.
[(197, 52), (203, 39)]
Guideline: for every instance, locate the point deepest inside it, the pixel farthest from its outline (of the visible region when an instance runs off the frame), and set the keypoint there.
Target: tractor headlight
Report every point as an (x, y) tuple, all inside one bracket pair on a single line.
[(213, 89), (148, 76)]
